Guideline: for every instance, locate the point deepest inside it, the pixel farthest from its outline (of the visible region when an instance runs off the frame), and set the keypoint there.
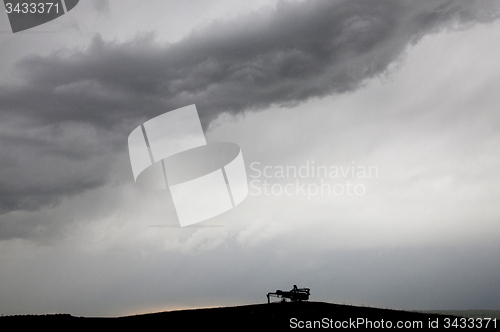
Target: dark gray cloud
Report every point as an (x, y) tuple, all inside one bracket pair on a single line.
[(298, 51), (282, 56), (102, 6)]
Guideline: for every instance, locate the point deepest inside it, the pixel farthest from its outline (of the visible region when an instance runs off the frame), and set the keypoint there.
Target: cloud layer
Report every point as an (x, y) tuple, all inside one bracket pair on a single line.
[(68, 118)]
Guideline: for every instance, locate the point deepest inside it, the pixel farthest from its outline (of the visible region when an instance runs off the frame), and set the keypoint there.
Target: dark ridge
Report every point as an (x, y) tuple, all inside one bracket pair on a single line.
[(289, 315)]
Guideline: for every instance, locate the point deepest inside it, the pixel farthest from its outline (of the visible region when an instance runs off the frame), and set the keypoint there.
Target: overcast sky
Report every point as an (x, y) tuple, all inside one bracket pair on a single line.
[(398, 100)]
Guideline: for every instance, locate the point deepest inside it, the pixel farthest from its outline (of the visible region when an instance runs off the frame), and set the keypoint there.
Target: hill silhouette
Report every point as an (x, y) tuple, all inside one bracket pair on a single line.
[(275, 315)]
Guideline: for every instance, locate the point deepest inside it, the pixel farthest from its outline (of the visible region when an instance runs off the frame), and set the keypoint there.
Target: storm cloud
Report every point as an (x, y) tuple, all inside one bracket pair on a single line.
[(408, 87), (71, 110)]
